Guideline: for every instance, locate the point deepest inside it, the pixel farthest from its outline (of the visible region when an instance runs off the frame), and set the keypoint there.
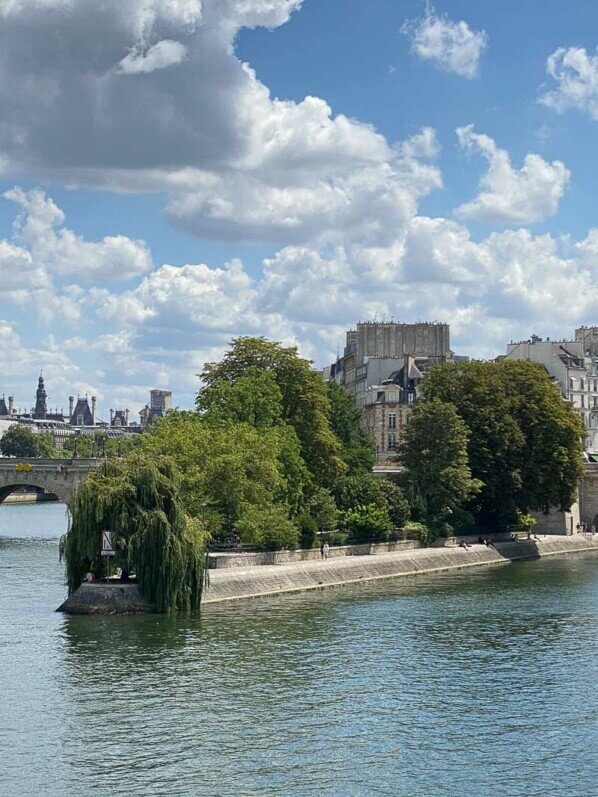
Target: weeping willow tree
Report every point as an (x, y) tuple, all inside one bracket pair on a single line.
[(137, 499)]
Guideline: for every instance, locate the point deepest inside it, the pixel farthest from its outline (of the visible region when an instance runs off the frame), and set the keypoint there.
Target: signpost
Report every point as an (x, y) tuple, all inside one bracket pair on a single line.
[(107, 548)]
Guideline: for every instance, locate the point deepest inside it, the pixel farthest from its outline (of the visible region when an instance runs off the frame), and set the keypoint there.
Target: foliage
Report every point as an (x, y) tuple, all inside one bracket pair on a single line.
[(308, 530), (78, 445), (267, 527), (367, 523), (21, 441), (524, 521), (253, 398), (423, 533), (435, 460), (45, 445), (305, 403), (336, 538), (137, 499), (323, 509), (226, 469), (462, 521), (365, 488), (525, 442), (117, 446), (357, 449)]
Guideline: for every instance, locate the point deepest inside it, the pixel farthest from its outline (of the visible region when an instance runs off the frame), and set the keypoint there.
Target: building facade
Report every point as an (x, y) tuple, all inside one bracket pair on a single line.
[(382, 367), (573, 366)]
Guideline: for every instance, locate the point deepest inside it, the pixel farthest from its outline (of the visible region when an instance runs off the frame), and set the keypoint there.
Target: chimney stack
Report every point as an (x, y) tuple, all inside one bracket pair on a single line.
[(111, 416), (71, 407), (93, 410), (126, 417), (11, 401)]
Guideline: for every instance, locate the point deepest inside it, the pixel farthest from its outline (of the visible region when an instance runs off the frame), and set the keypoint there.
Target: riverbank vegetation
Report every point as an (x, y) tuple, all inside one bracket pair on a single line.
[(274, 458), (488, 443), (138, 499)]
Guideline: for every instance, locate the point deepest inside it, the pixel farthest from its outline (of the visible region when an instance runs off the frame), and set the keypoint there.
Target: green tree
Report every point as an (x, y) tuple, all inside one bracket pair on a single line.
[(357, 448), (226, 469), (434, 455), (21, 441), (268, 527), (118, 446), (79, 445), (137, 498), (367, 523), (525, 442), (322, 509), (364, 489), (305, 403), (253, 398), (45, 446)]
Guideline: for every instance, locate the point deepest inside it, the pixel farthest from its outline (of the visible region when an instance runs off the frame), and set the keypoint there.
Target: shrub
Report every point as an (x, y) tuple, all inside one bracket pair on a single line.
[(524, 522), (442, 529), (269, 527), (367, 523), (336, 538), (308, 530), (421, 532)]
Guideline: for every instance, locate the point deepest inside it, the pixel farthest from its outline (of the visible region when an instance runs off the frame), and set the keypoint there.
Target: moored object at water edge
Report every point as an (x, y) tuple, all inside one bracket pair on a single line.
[(102, 598)]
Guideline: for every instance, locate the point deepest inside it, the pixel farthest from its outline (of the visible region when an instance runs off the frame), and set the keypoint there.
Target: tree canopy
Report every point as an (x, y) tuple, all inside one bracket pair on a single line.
[(434, 455), (137, 499), (525, 442), (21, 441), (357, 449), (305, 404)]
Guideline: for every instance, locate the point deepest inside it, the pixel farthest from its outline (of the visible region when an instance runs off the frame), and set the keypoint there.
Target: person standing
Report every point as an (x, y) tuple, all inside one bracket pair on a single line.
[(325, 549)]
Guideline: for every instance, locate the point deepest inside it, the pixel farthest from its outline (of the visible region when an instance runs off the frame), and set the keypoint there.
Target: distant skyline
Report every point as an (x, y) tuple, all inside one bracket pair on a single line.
[(212, 168)]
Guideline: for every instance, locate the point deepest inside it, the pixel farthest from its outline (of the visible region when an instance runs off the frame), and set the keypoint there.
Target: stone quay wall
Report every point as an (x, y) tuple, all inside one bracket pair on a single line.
[(236, 583)]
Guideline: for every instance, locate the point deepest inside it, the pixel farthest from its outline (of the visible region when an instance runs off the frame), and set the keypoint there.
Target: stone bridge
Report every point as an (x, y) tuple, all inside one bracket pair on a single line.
[(60, 477)]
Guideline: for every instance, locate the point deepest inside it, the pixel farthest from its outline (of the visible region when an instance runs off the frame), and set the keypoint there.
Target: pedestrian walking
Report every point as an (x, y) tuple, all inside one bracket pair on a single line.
[(325, 549)]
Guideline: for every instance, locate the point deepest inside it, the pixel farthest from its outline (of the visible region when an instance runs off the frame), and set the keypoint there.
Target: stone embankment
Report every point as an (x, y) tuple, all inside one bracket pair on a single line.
[(102, 598), (243, 582), (236, 583)]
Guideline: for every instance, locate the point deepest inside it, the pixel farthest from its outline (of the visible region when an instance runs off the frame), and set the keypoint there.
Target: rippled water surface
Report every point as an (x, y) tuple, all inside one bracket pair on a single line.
[(468, 684)]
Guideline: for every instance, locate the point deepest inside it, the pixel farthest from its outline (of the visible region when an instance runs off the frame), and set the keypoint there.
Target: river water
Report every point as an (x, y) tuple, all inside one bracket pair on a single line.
[(465, 685)]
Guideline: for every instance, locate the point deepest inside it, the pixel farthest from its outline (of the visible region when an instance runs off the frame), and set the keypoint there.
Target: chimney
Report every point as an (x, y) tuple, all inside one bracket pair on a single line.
[(93, 410), (126, 417), (11, 401), (111, 417), (71, 407)]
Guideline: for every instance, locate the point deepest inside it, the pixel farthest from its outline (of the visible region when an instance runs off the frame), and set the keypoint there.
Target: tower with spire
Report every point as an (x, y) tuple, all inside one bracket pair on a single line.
[(41, 408)]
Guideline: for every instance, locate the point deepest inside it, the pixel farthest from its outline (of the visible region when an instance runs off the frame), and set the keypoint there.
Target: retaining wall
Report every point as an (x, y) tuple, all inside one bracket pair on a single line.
[(236, 583)]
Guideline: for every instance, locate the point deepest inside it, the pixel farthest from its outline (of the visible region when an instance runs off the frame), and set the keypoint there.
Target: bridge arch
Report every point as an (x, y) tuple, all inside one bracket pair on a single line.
[(61, 491)]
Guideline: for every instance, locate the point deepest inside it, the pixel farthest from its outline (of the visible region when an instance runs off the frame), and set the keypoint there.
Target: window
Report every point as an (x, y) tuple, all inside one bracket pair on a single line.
[(392, 442), (392, 420)]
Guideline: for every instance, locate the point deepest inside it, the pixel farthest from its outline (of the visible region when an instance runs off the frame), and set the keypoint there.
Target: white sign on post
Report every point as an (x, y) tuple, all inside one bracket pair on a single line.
[(107, 549)]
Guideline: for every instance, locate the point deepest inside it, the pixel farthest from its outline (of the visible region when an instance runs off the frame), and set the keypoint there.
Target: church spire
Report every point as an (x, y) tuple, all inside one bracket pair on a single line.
[(41, 408)]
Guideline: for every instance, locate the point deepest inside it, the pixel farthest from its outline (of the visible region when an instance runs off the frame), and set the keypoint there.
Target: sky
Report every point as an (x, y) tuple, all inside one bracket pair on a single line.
[(174, 173)]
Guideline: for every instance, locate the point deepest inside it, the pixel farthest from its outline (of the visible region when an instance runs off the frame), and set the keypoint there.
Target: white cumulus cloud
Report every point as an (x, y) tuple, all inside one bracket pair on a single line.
[(508, 195), (575, 72), (40, 231), (452, 45)]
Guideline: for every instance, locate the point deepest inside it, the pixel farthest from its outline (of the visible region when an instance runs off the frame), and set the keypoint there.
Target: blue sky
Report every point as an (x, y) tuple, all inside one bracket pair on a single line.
[(160, 147)]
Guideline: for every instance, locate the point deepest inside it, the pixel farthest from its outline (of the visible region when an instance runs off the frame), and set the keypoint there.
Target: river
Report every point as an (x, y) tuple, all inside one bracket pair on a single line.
[(470, 684)]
